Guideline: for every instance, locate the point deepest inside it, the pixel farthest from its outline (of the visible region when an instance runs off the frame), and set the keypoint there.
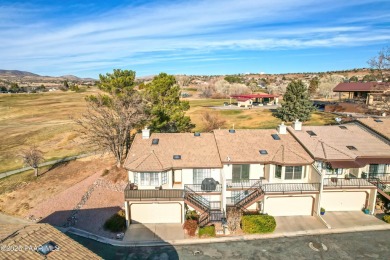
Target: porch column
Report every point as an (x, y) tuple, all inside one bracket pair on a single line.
[(127, 213), (223, 194)]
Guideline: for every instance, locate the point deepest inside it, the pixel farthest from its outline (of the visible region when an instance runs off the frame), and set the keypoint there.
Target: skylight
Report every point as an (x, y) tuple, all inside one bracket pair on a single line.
[(343, 127), (232, 131), (263, 152), (46, 248), (275, 137), (196, 134), (177, 157), (155, 141), (311, 133), (351, 147), (378, 121)]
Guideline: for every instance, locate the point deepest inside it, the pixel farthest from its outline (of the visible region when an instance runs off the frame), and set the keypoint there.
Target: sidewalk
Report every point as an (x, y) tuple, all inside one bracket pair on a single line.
[(323, 231)]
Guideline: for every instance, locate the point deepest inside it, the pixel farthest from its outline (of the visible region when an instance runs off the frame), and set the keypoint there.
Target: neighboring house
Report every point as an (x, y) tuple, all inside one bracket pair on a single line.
[(39, 241), (260, 99), (368, 93), (354, 162)]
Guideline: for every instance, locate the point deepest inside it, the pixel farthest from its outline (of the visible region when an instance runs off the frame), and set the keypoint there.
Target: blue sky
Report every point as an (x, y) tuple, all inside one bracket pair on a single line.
[(85, 38)]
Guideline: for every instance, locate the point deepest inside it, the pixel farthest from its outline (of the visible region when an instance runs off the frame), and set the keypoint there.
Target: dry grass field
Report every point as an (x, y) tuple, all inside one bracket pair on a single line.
[(245, 118), (39, 119)]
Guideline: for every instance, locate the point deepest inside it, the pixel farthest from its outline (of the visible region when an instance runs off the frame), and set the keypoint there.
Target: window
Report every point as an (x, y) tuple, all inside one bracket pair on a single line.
[(135, 177), (278, 171), (293, 173), (200, 175), (149, 179), (377, 168), (164, 178), (338, 171), (240, 172)]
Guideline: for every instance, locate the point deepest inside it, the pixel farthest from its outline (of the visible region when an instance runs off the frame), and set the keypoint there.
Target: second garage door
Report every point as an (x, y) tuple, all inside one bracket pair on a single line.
[(156, 213), (288, 206), (343, 201)]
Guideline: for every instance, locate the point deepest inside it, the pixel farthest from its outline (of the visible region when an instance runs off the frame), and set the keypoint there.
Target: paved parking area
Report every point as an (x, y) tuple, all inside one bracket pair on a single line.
[(297, 223), (154, 232), (347, 219)]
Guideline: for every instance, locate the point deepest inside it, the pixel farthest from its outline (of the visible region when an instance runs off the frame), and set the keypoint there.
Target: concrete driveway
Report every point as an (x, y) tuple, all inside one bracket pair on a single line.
[(297, 223), (347, 219), (154, 232)]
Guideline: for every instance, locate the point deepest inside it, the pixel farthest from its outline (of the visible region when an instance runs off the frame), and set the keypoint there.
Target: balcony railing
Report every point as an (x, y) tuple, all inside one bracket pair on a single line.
[(204, 188), (384, 177), (290, 187), (131, 194), (346, 183), (240, 183), (215, 204)]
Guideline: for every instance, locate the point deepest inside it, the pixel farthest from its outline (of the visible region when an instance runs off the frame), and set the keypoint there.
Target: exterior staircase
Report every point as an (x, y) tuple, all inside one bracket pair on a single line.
[(380, 186), (202, 205), (249, 196)]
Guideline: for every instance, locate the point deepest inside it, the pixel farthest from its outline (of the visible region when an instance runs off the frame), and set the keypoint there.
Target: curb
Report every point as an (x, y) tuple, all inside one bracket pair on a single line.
[(114, 242)]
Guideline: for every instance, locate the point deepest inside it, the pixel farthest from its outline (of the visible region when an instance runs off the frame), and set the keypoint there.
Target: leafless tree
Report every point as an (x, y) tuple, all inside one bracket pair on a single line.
[(381, 63), (109, 122), (327, 84), (212, 121), (233, 219), (32, 157)]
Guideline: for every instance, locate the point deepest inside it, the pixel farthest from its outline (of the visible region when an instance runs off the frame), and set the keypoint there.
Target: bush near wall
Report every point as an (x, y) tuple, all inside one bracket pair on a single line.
[(191, 226), (208, 231), (117, 222), (252, 224), (386, 218)]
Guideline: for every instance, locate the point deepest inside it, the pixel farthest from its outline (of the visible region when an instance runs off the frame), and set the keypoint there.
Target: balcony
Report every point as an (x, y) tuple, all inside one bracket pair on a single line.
[(204, 188), (290, 187), (383, 177), (241, 184), (340, 183), (152, 195)]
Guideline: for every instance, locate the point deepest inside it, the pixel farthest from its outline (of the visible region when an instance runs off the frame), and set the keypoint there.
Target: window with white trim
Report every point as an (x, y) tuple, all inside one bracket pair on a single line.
[(293, 173), (200, 175), (240, 172), (149, 179), (135, 174), (164, 178), (278, 171)]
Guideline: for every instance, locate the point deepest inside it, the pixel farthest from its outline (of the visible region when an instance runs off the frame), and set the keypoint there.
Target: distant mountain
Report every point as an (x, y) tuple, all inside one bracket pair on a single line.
[(17, 73)]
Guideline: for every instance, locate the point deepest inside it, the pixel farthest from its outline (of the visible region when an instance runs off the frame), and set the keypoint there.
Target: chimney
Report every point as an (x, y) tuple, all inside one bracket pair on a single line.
[(282, 129), (297, 125), (145, 133)]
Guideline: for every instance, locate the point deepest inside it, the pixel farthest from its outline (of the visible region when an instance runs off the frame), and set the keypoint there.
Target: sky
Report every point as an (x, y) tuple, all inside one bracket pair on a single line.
[(88, 38)]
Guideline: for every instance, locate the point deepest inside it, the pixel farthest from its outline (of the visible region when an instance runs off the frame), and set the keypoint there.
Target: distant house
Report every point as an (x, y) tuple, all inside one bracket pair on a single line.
[(249, 100), (364, 92)]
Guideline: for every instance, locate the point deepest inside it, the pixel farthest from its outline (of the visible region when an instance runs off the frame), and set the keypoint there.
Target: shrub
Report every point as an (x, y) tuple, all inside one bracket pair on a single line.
[(191, 226), (386, 218), (208, 231), (258, 224), (322, 210), (117, 222), (192, 214)]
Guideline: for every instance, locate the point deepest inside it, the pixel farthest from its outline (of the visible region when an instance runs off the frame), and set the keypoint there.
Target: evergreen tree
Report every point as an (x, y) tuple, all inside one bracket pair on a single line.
[(167, 110), (118, 82), (296, 103)]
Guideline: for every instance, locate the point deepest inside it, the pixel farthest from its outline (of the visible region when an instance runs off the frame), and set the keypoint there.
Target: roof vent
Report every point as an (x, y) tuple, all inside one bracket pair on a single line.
[(232, 131), (177, 157), (263, 152), (343, 127), (155, 141), (196, 134), (282, 129), (378, 121), (351, 147), (46, 248), (311, 133), (275, 137)]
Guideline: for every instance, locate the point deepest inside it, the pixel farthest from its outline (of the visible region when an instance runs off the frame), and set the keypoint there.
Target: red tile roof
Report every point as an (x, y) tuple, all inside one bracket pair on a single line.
[(249, 96), (361, 86)]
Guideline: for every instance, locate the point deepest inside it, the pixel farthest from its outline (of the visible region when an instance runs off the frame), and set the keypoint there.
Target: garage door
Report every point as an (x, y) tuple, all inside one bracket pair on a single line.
[(288, 206), (155, 213), (343, 201)]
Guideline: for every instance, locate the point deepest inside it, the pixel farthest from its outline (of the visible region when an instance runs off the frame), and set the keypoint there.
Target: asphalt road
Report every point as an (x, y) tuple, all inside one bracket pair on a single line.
[(357, 245)]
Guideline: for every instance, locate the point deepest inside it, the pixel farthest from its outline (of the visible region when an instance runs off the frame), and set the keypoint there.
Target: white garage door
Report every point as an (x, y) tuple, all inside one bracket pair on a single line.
[(288, 206), (155, 213), (343, 201)]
